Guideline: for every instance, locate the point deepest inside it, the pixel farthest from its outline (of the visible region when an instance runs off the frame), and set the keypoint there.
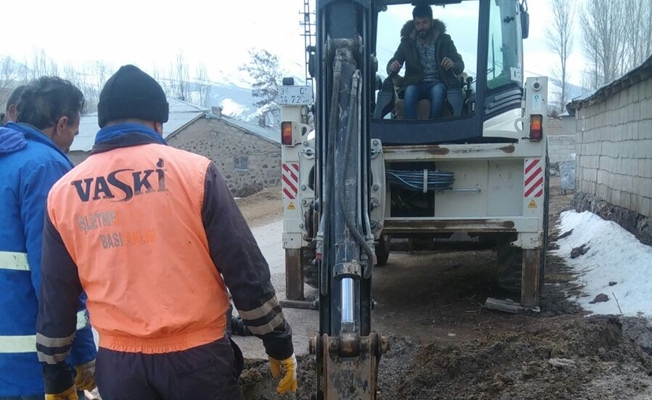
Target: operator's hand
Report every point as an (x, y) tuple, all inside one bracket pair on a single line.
[(289, 369), (70, 394), (85, 379), (395, 66), (447, 63)]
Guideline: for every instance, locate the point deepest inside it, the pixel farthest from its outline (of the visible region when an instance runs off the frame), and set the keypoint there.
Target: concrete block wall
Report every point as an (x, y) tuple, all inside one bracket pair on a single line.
[(561, 139), (561, 148), (614, 149), (222, 143)]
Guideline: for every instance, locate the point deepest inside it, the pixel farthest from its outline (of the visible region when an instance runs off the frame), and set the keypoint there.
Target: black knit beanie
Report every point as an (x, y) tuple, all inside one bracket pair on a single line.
[(131, 93)]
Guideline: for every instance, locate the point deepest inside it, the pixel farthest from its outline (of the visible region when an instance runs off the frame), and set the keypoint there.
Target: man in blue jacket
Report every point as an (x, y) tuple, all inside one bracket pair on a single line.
[(31, 161)]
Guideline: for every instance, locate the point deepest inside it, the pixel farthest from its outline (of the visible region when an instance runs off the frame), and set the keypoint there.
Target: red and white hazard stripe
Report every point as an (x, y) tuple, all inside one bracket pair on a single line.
[(290, 174), (534, 178)]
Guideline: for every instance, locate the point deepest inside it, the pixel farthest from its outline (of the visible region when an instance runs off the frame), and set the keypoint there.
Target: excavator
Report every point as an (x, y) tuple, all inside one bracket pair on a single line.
[(368, 176)]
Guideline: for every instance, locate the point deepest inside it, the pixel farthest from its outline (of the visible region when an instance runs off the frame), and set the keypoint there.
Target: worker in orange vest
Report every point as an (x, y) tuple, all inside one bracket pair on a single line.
[(153, 236)]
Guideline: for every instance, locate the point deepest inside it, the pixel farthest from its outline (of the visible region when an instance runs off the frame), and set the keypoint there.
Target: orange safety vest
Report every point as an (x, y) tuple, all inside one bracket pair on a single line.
[(131, 220)]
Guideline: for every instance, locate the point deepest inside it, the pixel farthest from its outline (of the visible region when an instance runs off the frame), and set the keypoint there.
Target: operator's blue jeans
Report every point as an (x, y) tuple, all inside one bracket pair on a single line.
[(435, 92)]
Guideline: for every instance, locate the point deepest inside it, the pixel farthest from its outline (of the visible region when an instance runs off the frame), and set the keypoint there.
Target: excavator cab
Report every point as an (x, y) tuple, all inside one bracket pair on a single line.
[(488, 35)]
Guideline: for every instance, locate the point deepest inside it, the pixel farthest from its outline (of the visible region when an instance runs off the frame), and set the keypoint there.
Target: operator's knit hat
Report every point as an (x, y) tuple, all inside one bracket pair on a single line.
[(422, 10), (131, 93)]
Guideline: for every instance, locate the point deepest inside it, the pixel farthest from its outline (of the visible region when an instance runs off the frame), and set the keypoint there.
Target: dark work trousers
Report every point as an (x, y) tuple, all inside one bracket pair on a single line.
[(208, 372)]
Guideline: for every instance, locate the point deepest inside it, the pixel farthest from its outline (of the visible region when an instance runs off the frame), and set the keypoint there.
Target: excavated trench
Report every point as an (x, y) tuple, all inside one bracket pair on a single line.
[(552, 358), (444, 345)]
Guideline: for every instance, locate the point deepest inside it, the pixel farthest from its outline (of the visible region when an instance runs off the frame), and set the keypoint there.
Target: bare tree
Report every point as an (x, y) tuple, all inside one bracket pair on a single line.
[(12, 73), (604, 34), (92, 77), (41, 64), (646, 30), (638, 31), (73, 74), (180, 76), (202, 85), (156, 74), (266, 74), (559, 38), (102, 73)]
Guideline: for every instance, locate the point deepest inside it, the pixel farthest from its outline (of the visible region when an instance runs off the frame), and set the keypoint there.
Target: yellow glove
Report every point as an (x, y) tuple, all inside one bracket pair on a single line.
[(85, 379), (289, 369), (70, 394)]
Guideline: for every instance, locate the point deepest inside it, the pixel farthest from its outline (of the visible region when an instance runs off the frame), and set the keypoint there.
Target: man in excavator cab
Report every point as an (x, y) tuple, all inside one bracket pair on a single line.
[(431, 87)]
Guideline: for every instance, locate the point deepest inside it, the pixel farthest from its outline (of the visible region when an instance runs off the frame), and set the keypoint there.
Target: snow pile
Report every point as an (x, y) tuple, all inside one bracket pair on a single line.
[(608, 260)]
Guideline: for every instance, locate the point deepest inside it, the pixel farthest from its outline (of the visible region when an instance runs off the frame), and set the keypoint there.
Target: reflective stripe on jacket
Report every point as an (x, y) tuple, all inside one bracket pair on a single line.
[(152, 234)]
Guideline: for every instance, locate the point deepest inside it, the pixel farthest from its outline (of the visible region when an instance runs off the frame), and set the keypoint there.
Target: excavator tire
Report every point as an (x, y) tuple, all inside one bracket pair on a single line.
[(510, 265), (382, 250)]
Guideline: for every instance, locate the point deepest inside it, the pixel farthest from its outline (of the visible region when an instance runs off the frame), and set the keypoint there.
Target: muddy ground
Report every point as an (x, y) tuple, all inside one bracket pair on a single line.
[(445, 345)]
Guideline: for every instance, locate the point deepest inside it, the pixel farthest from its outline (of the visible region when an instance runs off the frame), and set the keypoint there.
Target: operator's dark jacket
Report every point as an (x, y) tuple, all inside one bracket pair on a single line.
[(408, 53)]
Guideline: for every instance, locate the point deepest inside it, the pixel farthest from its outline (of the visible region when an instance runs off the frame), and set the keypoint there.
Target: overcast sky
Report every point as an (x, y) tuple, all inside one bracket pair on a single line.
[(215, 33)]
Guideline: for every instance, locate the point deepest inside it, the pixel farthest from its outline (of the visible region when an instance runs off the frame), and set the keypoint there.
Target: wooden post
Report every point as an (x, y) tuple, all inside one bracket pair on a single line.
[(530, 288), (293, 274)]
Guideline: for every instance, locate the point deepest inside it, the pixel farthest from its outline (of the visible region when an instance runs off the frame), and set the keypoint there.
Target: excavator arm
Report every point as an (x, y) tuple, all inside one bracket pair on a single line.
[(347, 351)]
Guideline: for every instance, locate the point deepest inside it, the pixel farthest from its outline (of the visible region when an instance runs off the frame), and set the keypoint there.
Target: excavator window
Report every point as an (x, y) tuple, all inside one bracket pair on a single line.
[(460, 23), (488, 36), (503, 61)]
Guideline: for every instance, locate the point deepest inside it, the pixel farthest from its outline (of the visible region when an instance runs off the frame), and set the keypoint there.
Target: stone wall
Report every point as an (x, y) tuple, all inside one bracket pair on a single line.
[(226, 145)]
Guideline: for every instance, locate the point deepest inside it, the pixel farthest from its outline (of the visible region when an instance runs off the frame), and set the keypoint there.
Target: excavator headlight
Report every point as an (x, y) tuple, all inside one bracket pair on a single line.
[(536, 127)]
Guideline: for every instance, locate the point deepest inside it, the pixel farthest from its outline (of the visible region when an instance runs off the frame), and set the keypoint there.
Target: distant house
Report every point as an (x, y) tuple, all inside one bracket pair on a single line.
[(561, 138), (247, 155)]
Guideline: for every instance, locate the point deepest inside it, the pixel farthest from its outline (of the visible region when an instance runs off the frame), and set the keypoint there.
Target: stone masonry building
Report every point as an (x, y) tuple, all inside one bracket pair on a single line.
[(247, 155)]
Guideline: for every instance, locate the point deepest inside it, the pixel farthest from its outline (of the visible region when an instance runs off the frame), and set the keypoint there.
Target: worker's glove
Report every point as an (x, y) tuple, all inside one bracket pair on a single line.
[(288, 368), (85, 379), (70, 394)]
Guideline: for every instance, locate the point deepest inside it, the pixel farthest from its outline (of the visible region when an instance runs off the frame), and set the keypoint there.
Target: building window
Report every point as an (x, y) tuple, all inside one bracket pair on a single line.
[(241, 163)]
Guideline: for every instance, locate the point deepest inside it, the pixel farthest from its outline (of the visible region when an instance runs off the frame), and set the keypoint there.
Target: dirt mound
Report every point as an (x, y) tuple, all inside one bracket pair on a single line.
[(575, 359), (257, 382)]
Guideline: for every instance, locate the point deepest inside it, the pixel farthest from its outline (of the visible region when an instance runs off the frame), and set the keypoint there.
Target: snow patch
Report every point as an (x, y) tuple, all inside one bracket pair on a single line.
[(232, 108), (612, 262)]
